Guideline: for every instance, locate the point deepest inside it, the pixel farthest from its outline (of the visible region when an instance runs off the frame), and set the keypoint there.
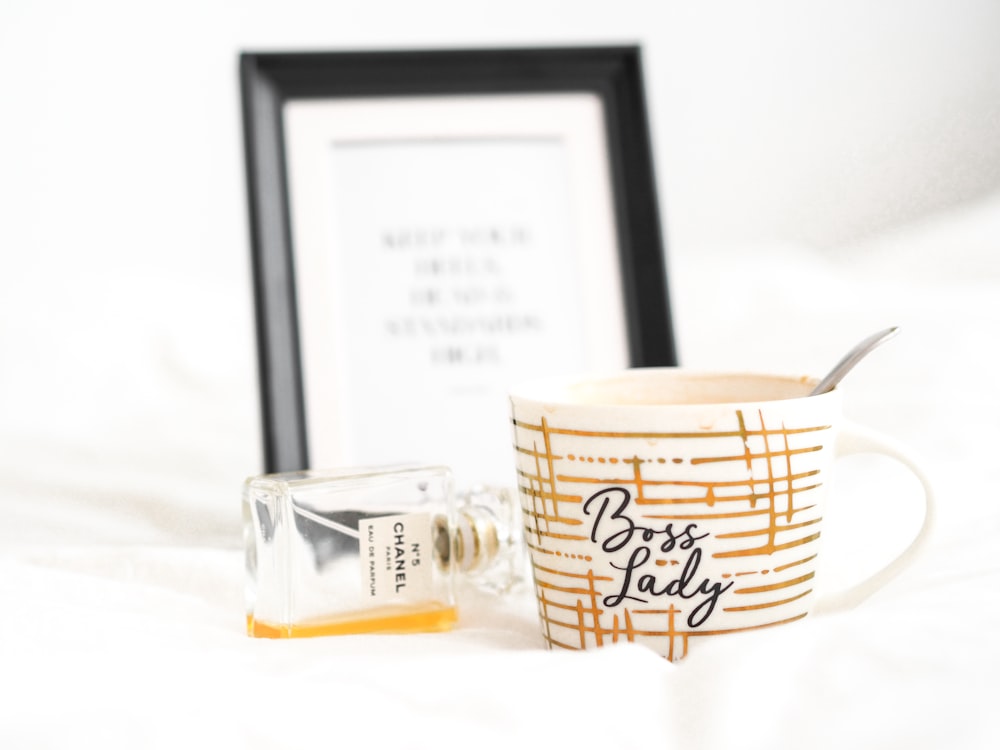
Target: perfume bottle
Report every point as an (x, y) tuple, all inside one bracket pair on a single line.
[(369, 550)]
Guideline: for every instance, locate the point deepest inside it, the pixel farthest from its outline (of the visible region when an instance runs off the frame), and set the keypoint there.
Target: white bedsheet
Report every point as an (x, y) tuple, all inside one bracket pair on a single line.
[(121, 610)]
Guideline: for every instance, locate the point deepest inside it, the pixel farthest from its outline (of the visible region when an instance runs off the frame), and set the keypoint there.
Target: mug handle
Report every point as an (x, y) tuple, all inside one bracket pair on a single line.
[(854, 438)]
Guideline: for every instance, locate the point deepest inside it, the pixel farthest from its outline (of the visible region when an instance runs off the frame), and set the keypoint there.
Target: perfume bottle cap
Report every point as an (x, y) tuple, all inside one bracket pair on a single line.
[(489, 548)]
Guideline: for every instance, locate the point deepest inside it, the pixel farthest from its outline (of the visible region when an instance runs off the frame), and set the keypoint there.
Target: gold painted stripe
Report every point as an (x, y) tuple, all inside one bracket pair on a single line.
[(732, 630), (764, 454), (532, 451), (578, 607), (709, 516), (563, 589), (543, 495), (767, 549), (782, 568), (692, 482), (553, 518), (684, 635), (688, 633), (766, 605), (568, 537), (559, 644), (586, 576), (768, 530), (666, 435), (775, 586)]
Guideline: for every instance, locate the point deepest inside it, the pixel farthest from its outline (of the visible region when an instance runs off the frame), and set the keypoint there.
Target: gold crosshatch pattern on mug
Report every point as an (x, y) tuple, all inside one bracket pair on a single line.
[(761, 474)]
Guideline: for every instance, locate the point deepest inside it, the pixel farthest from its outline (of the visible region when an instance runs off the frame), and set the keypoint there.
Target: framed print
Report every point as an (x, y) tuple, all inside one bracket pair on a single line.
[(430, 226)]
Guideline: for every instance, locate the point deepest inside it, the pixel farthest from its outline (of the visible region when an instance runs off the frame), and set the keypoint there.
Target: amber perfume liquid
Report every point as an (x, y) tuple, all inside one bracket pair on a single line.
[(427, 617), (367, 550)]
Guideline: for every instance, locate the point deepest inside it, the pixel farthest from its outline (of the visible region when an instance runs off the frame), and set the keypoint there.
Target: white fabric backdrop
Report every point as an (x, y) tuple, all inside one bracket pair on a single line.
[(122, 599)]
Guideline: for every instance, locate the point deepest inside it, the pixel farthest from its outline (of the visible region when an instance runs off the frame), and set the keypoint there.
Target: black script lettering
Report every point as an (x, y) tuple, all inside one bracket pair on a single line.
[(639, 557), (614, 529), (682, 586), (605, 498), (623, 528)]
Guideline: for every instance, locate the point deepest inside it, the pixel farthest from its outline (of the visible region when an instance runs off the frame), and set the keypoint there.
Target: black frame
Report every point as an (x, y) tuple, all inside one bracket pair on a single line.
[(268, 80)]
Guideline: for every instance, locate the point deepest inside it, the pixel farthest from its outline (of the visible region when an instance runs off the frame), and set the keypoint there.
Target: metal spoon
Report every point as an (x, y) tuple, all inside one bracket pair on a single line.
[(854, 356)]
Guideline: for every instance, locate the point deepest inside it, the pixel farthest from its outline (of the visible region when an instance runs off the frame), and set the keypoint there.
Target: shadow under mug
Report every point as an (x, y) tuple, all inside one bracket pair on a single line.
[(663, 506)]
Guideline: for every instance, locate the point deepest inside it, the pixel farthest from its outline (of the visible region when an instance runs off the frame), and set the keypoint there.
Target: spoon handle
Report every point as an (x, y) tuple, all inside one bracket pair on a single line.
[(852, 358)]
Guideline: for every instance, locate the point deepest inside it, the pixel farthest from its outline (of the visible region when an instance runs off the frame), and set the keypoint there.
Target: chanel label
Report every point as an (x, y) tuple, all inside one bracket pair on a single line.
[(396, 559)]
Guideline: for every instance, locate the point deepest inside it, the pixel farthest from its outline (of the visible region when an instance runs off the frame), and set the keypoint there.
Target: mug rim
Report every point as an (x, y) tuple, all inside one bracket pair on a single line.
[(556, 390)]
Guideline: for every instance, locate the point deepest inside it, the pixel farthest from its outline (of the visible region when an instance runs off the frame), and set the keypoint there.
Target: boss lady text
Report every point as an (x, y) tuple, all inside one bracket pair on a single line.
[(614, 529)]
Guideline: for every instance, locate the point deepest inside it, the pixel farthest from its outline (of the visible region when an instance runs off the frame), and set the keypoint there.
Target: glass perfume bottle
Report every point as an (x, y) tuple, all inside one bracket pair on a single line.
[(370, 549)]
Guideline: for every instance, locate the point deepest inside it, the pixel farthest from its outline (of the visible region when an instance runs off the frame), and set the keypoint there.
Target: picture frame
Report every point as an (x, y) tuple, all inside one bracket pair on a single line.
[(556, 137)]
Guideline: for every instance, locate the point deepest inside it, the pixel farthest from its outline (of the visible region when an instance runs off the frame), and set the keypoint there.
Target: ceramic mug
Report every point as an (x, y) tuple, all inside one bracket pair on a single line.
[(663, 506)]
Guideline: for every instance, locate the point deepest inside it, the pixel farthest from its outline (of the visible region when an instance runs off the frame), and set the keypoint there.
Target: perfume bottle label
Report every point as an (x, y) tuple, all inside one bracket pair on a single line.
[(396, 558)]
